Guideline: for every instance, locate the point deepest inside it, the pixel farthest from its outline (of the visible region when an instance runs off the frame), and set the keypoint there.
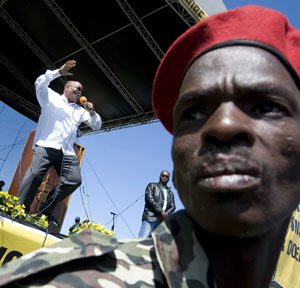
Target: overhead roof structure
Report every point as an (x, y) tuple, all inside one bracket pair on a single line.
[(117, 44)]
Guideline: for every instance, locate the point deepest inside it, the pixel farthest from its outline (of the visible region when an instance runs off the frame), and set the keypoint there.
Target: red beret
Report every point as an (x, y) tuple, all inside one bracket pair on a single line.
[(248, 25)]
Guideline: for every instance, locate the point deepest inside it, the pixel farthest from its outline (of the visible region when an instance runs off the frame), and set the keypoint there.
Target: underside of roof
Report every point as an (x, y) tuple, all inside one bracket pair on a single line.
[(117, 44)]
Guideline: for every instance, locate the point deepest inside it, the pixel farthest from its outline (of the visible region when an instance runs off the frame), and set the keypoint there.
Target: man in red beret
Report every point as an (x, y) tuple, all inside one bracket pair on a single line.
[(228, 91)]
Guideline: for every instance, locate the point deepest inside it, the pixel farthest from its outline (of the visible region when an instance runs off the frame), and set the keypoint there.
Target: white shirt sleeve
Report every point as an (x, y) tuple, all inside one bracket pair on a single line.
[(95, 121), (41, 86)]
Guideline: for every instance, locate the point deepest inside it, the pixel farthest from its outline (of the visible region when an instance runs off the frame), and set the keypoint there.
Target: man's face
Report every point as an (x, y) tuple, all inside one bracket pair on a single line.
[(73, 90), (164, 177), (236, 146)]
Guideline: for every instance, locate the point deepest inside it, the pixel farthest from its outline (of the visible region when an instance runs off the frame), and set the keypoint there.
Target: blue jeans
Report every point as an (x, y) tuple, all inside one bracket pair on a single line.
[(147, 227)]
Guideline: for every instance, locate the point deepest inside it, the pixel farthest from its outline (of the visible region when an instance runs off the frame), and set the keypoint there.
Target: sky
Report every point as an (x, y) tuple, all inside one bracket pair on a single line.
[(118, 164)]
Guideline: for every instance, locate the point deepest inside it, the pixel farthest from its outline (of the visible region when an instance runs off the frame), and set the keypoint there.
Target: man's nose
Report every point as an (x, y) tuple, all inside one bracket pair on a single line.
[(227, 124)]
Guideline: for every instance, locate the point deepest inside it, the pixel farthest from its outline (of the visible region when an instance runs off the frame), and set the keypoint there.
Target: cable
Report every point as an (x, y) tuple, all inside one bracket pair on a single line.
[(142, 196), (4, 147), (15, 140), (2, 108), (82, 200), (87, 188), (89, 205), (45, 238), (109, 197)]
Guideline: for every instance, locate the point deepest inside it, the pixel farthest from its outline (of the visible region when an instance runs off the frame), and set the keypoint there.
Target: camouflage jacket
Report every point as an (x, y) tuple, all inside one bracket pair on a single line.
[(171, 258)]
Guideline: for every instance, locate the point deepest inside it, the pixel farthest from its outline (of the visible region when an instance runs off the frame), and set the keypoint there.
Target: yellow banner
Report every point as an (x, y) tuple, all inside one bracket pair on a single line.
[(288, 267), (17, 239)]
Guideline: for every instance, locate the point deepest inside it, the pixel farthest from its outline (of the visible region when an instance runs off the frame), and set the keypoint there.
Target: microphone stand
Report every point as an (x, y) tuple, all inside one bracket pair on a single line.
[(114, 217)]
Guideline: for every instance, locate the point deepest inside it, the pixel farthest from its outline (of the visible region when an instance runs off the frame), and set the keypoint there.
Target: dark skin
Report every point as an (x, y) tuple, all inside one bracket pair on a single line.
[(237, 158), (73, 89)]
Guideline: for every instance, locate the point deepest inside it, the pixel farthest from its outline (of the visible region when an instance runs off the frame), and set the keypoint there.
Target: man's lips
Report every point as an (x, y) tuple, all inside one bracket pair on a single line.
[(232, 174), (229, 183), (233, 168)]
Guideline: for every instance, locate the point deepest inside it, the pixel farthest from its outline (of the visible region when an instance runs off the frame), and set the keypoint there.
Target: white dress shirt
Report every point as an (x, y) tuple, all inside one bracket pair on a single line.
[(59, 120)]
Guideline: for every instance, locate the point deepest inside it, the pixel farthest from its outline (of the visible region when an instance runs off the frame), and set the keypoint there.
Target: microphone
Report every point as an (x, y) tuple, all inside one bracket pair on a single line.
[(82, 100)]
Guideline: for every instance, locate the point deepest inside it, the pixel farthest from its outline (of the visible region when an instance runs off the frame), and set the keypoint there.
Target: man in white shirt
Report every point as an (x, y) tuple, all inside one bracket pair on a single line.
[(54, 140)]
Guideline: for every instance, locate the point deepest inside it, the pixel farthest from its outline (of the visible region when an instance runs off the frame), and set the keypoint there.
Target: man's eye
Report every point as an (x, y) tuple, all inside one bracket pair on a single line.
[(269, 108), (192, 114)]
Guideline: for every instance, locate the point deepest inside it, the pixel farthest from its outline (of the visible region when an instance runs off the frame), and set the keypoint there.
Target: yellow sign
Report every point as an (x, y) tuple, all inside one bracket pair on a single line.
[(288, 267), (17, 239)]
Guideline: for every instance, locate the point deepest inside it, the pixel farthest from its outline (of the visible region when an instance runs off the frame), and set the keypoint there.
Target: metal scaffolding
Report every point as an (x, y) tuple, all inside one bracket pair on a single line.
[(188, 10)]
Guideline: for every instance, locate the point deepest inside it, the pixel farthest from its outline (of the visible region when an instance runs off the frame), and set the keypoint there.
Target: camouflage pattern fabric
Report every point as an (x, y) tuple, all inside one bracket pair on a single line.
[(90, 259), (171, 258), (181, 257)]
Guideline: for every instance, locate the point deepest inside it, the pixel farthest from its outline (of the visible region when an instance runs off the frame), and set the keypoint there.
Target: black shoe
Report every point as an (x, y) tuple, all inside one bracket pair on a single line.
[(53, 220)]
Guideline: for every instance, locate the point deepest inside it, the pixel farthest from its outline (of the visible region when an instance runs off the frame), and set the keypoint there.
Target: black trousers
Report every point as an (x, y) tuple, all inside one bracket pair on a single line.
[(66, 166)]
